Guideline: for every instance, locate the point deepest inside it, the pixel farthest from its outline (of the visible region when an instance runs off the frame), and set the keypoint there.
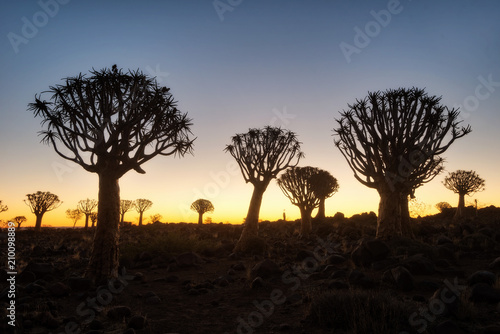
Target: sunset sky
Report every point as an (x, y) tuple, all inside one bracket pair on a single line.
[(239, 64)]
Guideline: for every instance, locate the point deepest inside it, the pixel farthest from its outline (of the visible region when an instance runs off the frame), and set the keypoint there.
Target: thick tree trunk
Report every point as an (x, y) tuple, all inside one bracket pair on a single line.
[(461, 206), (38, 223), (86, 221), (140, 218), (389, 214), (405, 218), (103, 263), (200, 218), (321, 209), (122, 216), (251, 228), (305, 222)]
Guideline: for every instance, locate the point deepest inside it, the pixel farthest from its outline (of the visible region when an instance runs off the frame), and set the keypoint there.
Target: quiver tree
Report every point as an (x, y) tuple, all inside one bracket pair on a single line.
[(109, 123), (74, 215), (3, 207), (443, 206), (142, 205), (392, 141), (93, 218), (261, 155), (40, 203), (202, 206), (463, 183), (125, 206), (324, 186), (297, 184), (86, 207), (19, 220)]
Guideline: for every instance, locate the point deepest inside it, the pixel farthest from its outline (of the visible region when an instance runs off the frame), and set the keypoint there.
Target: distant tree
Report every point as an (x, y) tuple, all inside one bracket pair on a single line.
[(111, 122), (392, 141), (324, 186), (261, 155), (19, 220), (463, 183), (40, 203), (441, 206), (208, 220), (156, 218), (297, 184), (202, 206), (93, 218), (417, 208), (3, 207), (86, 207), (125, 206), (142, 205), (75, 215)]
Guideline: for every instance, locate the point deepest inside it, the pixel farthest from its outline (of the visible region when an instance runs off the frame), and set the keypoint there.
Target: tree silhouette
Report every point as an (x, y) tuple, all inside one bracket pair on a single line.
[(142, 205), (3, 208), (75, 215), (40, 203), (19, 220), (392, 141), (261, 155), (441, 206), (324, 186), (86, 207), (201, 206), (297, 184), (110, 123), (463, 183), (125, 206), (93, 218), (156, 218)]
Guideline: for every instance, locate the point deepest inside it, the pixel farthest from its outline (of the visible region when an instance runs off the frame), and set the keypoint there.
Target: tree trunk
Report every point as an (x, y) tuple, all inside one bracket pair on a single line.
[(200, 218), (405, 218), (87, 221), (461, 206), (389, 214), (251, 228), (103, 263), (38, 223), (122, 217), (305, 222), (140, 218), (321, 209)]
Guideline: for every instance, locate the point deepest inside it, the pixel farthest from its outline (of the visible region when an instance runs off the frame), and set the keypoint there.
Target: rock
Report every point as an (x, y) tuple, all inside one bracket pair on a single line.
[(484, 293), (239, 266), (338, 274), (442, 240), (137, 322), (119, 312), (96, 325), (257, 283), (130, 331), (443, 252), (294, 299), (153, 300), (187, 260), (419, 265), (33, 288), (449, 299), (304, 254), (335, 259), (172, 279), (384, 264), (491, 330), (26, 277), (370, 251), (59, 289), (338, 285), (49, 321), (40, 270), (79, 283), (284, 327), (495, 265), (357, 278), (482, 276), (403, 278), (448, 327), (266, 269)]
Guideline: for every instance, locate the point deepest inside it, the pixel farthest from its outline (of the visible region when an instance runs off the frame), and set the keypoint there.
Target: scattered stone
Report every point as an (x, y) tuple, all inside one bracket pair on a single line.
[(384, 264), (137, 322), (119, 312), (172, 279), (338, 274), (419, 265), (370, 251), (257, 283), (491, 330), (357, 278), (294, 299), (284, 327), (79, 283), (448, 327), (403, 278), (335, 259), (266, 269), (338, 285), (482, 276), (129, 331), (59, 289), (442, 240), (96, 325), (39, 269), (304, 254), (484, 293), (495, 265), (188, 260), (239, 266)]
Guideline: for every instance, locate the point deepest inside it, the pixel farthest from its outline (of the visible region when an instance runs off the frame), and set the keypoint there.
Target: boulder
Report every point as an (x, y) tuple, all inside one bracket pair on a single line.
[(403, 278), (482, 276), (119, 312), (419, 265), (484, 293), (370, 251), (187, 260), (266, 269)]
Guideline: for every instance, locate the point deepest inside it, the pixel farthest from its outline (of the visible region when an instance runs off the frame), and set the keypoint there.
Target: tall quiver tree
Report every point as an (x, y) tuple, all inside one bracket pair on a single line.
[(86, 207), (297, 184), (463, 183), (324, 186), (202, 206), (125, 206), (3, 207), (109, 123), (392, 141), (261, 155), (142, 205), (40, 203)]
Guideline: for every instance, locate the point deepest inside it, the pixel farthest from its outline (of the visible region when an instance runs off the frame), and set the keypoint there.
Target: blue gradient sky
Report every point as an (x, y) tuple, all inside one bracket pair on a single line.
[(266, 63)]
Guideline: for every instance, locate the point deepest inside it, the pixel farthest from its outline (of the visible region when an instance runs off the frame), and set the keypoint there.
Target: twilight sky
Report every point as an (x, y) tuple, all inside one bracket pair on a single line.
[(237, 64)]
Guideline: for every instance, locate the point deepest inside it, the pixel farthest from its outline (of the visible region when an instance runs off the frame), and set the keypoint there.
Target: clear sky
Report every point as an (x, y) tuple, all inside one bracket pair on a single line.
[(237, 64)]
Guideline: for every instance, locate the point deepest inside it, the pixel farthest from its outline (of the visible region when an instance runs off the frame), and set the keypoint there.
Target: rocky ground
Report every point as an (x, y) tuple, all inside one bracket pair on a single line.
[(184, 278)]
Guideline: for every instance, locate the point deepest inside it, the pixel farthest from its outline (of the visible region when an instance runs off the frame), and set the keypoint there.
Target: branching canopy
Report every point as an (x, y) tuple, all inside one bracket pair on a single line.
[(3, 207), (324, 184), (263, 153), (297, 186), (112, 119), (464, 182), (42, 202), (202, 206), (142, 204), (87, 206), (126, 205)]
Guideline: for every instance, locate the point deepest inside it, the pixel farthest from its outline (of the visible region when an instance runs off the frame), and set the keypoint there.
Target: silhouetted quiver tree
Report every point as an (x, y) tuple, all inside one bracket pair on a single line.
[(40, 203), (3, 207), (142, 205), (297, 184), (261, 155), (86, 207), (324, 185), (202, 206), (109, 123), (19, 220), (75, 215), (392, 141), (93, 218), (463, 183), (125, 206)]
